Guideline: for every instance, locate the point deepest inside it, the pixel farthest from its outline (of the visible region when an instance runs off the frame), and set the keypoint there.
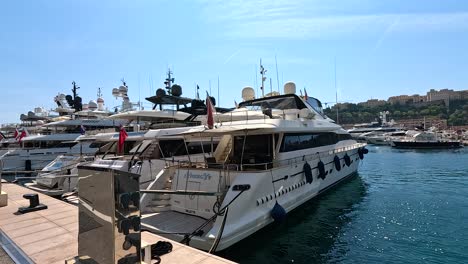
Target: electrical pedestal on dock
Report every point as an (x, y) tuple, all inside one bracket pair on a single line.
[(109, 214), (3, 195)]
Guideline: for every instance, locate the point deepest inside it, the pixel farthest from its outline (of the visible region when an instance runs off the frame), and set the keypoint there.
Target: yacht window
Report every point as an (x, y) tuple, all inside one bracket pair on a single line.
[(171, 148), (65, 145), (316, 105), (196, 147), (97, 144), (257, 149), (292, 142)]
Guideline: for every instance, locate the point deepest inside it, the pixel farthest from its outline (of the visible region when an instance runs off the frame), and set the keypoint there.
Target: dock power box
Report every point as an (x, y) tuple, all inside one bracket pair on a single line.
[(109, 213)]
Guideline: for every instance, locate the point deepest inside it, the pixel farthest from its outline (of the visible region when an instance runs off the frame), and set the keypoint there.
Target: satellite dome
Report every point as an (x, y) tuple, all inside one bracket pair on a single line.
[(100, 100), (248, 93), (176, 90), (115, 92), (160, 92), (123, 90), (92, 105), (289, 88)]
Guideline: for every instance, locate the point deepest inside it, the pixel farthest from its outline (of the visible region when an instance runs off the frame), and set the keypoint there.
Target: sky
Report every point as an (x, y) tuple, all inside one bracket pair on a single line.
[(380, 48)]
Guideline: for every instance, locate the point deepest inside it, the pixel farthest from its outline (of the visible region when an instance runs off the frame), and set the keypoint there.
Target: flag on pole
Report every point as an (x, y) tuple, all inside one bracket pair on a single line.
[(198, 95), (122, 137), (306, 97), (1, 136), (16, 135), (82, 130), (209, 112), (22, 135), (236, 104)]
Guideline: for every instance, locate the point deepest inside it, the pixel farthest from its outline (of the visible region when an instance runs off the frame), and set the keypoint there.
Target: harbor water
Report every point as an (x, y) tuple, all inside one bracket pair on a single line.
[(405, 206)]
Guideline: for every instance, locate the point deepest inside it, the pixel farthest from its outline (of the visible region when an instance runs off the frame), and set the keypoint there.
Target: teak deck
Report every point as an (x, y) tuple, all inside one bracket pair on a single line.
[(51, 235)]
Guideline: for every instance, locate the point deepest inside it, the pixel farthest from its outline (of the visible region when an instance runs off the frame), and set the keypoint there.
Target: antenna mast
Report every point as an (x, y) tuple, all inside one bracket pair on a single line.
[(277, 75), (218, 91), (169, 80), (75, 90), (336, 96), (262, 72)]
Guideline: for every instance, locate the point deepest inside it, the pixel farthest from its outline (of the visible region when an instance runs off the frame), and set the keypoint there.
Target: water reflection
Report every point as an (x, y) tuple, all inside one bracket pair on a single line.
[(309, 232)]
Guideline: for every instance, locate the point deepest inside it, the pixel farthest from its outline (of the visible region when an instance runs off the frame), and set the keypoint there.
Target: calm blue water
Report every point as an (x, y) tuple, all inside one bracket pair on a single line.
[(405, 206)]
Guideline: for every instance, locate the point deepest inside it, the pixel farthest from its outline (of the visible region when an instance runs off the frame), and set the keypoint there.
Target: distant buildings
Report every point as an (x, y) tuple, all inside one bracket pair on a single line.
[(432, 96)]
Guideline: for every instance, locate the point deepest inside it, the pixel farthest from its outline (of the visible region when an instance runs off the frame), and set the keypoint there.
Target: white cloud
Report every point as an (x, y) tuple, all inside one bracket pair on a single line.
[(299, 20)]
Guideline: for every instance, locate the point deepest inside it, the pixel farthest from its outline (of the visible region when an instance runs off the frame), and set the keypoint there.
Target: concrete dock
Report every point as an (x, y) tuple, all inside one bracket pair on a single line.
[(51, 235)]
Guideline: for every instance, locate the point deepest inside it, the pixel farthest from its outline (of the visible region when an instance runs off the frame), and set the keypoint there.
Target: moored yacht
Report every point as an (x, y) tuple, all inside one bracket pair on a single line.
[(425, 140), (261, 169)]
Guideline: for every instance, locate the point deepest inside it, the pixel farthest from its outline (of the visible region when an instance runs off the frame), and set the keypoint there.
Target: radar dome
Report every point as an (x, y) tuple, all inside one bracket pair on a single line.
[(115, 92), (160, 92), (92, 105), (176, 90), (248, 93), (123, 90), (290, 88), (100, 100), (85, 106)]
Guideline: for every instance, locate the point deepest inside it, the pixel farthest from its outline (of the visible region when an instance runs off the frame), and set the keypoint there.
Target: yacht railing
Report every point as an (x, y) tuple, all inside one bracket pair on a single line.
[(263, 165)]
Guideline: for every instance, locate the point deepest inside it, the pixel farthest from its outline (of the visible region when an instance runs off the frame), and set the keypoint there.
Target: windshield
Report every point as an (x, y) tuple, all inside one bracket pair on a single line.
[(281, 103)]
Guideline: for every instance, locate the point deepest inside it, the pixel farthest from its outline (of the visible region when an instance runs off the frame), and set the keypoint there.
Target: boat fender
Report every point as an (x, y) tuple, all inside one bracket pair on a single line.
[(337, 162), (347, 160), (321, 169), (360, 153), (365, 151), (278, 213), (308, 173)]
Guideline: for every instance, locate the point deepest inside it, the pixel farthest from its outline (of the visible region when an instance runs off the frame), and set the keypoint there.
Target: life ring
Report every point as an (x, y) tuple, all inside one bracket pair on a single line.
[(308, 173), (336, 159), (321, 169), (347, 160)]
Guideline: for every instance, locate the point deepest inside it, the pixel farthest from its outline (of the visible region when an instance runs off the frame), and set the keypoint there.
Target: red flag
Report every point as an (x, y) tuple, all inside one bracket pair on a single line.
[(1, 136), (22, 135), (122, 137), (209, 113), (16, 135), (305, 95)]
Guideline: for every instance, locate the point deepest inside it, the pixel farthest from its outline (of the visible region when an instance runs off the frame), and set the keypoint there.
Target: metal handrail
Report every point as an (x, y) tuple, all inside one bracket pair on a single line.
[(275, 164)]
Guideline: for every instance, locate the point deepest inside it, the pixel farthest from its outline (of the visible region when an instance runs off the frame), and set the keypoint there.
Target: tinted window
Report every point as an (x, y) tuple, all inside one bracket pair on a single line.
[(293, 142)]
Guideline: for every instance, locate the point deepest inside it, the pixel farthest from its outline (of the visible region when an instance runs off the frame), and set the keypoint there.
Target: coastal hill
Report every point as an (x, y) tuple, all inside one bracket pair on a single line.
[(448, 112)]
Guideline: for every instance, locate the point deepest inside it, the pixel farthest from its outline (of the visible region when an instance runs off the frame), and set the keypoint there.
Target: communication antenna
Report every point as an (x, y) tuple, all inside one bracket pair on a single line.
[(336, 97), (169, 80), (262, 72), (75, 90), (218, 93), (271, 87), (277, 75), (256, 80)]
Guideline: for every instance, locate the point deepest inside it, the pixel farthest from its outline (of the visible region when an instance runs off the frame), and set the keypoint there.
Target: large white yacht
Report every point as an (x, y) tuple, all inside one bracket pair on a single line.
[(261, 169), (39, 150)]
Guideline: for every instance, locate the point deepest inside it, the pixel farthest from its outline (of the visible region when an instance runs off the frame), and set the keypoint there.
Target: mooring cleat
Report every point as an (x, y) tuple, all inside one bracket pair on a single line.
[(34, 204)]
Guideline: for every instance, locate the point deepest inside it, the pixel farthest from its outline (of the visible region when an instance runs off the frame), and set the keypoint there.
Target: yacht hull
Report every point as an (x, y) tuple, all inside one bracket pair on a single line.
[(251, 211), (426, 145)]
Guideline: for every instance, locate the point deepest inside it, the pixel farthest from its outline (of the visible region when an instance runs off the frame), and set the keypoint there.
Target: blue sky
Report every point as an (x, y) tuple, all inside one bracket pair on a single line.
[(382, 48)]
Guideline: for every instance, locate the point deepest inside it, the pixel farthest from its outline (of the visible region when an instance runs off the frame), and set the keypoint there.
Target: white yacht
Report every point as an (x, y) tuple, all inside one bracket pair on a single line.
[(261, 169), (39, 150)]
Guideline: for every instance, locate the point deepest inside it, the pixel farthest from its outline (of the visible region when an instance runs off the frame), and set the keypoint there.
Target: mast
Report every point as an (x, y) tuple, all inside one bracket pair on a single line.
[(277, 75), (75, 90), (218, 103), (262, 72), (336, 97), (169, 80)]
